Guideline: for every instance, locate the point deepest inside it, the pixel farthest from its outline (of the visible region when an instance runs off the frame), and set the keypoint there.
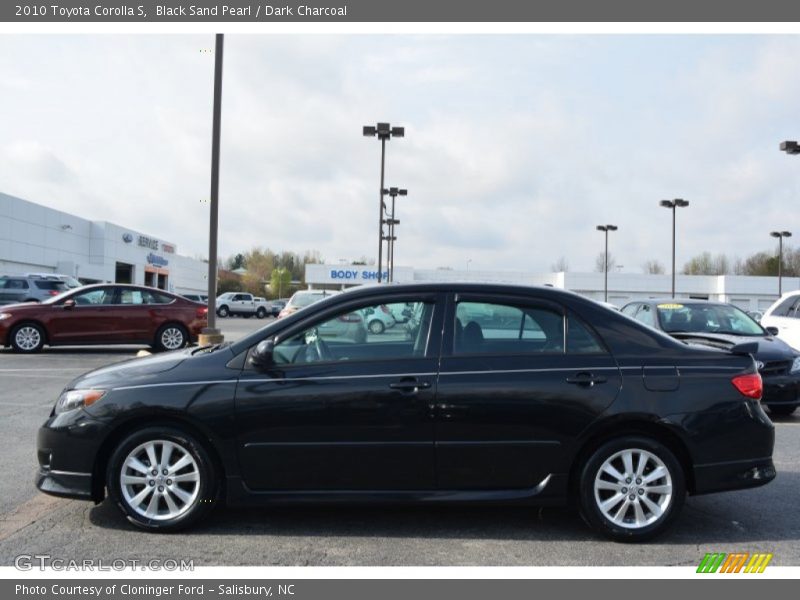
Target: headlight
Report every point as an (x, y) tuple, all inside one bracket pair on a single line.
[(5, 316), (796, 366), (77, 399)]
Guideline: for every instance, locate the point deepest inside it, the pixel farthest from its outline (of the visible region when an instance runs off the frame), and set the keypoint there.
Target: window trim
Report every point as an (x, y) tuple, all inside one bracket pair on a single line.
[(432, 350)]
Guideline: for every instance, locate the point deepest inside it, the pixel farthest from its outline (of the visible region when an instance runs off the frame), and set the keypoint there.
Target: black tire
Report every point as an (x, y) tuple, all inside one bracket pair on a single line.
[(201, 495), (171, 336), (223, 311), (782, 410), (590, 499), (376, 327), (261, 313), (27, 338)]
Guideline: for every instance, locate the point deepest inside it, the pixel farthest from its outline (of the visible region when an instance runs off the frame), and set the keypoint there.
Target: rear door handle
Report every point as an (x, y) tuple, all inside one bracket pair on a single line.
[(410, 386), (586, 379)]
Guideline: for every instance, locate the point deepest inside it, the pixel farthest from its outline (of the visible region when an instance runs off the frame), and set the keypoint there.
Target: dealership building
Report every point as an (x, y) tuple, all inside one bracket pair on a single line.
[(38, 239), (748, 293)]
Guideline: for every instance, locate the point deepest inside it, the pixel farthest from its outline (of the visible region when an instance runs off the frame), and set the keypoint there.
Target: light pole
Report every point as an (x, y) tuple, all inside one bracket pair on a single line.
[(393, 192), (212, 335), (780, 235), (383, 131), (673, 204), (606, 229)]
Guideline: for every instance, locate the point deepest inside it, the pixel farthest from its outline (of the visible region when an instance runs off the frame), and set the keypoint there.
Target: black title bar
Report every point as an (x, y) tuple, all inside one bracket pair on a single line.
[(188, 11)]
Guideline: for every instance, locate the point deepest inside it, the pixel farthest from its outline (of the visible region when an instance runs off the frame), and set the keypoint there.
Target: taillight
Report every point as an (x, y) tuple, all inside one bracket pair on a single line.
[(385, 309), (351, 318), (53, 292), (749, 385), (202, 313)]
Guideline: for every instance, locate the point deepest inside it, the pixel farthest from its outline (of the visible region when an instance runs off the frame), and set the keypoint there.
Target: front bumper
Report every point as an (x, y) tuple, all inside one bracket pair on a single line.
[(65, 484), (67, 448), (781, 390)]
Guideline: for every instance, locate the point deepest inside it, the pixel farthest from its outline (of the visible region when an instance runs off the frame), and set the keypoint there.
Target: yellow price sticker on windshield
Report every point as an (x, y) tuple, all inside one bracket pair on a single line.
[(670, 306)]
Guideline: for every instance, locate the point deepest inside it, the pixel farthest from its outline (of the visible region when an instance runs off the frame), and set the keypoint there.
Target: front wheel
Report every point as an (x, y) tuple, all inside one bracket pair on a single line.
[(376, 327), (28, 338), (162, 479), (223, 311), (631, 489)]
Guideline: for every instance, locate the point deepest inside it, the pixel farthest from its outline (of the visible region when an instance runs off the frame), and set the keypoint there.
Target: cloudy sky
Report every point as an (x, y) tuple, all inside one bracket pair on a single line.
[(516, 146)]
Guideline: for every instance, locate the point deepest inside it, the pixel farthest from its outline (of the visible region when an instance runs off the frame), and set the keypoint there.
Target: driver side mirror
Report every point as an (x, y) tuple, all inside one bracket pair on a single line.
[(68, 304), (261, 356), (772, 330)]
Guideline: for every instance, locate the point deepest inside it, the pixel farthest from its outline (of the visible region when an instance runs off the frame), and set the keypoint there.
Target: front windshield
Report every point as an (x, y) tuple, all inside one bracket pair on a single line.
[(706, 318)]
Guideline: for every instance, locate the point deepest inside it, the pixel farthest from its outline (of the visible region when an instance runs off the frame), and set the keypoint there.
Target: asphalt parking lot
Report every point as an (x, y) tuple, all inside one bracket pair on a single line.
[(766, 519)]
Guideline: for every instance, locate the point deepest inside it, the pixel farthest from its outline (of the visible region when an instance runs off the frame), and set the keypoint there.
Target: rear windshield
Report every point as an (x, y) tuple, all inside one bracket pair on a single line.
[(306, 299), (47, 284)]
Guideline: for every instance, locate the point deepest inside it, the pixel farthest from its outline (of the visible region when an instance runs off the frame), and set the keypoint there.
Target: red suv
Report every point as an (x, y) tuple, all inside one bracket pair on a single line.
[(103, 314)]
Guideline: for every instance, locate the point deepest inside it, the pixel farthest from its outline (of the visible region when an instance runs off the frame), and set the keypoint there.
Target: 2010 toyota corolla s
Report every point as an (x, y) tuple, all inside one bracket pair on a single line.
[(486, 394)]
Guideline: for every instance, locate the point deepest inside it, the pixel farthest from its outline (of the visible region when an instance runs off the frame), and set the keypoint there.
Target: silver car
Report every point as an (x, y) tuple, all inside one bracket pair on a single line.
[(29, 288)]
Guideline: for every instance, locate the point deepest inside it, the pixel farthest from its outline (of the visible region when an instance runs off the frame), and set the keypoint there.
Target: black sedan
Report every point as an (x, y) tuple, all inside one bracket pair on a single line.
[(490, 394), (721, 325)]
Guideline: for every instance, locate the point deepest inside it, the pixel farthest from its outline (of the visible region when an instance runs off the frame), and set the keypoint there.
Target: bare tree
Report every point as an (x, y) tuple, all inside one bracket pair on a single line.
[(561, 265), (599, 263), (653, 267)]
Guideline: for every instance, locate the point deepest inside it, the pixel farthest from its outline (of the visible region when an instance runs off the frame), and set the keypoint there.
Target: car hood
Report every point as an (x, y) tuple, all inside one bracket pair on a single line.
[(131, 372), (22, 306), (769, 348)]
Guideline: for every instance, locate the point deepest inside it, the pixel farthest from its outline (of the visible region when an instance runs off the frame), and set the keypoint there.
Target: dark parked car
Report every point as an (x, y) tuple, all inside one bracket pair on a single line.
[(103, 314), (721, 325), (575, 402)]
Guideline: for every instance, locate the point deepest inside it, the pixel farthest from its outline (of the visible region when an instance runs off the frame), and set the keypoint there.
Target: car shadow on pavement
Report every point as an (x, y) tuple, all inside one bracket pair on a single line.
[(734, 517)]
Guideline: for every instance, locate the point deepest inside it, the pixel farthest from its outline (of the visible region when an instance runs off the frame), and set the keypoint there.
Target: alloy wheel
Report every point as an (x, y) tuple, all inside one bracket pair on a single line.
[(172, 338), (633, 488), (160, 480), (28, 338)]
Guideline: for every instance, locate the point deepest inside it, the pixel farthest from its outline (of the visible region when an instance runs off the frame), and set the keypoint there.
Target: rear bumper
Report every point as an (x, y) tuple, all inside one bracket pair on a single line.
[(735, 475)]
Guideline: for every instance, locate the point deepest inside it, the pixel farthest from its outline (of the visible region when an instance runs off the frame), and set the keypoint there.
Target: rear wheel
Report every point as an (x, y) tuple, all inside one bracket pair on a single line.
[(631, 489), (782, 410), (171, 336), (261, 313), (376, 327), (28, 338), (162, 479)]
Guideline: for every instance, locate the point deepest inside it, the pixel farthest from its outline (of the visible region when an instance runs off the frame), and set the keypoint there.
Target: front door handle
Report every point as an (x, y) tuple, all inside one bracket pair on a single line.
[(409, 386), (586, 379)]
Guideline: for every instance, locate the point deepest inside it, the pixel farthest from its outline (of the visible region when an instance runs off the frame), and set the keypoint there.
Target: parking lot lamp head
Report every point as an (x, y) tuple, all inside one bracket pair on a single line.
[(790, 147)]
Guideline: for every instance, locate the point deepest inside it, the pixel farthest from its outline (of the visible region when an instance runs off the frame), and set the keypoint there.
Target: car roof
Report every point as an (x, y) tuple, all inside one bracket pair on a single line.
[(680, 301)]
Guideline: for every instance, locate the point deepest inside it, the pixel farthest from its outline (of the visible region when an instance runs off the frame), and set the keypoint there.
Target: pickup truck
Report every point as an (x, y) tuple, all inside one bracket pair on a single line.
[(240, 303)]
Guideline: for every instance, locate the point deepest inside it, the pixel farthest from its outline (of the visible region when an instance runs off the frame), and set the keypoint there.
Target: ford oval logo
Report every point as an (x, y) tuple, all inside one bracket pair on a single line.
[(127, 237)]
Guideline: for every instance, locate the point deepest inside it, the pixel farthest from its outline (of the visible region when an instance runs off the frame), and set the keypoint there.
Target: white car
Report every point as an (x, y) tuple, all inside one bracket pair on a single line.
[(783, 319), (378, 319)]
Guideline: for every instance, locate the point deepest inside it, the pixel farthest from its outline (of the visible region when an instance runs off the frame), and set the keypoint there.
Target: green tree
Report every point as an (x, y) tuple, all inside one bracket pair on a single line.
[(279, 282)]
